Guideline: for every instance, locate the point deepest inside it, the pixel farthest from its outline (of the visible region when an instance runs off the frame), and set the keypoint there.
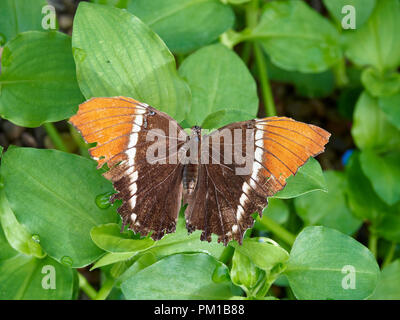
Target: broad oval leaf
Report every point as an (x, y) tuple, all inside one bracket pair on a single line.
[(362, 10), (388, 286), (367, 130), (118, 55), (307, 179), (38, 81), (327, 264), (264, 253), (180, 276), (109, 238), (17, 16), (377, 43), (383, 171), (53, 195), (219, 80), (330, 208), (177, 22), (296, 37), (27, 278)]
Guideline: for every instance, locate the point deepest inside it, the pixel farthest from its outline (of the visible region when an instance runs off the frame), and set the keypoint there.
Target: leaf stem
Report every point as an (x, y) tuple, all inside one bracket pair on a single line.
[(261, 64), (85, 286), (340, 73), (389, 256), (55, 136), (105, 289), (373, 243), (278, 230)]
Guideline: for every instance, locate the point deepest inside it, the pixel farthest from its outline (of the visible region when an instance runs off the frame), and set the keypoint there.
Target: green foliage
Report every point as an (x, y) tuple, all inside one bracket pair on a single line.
[(363, 9), (133, 63), (65, 210), (320, 259), (177, 22), (328, 208), (309, 41), (387, 288), (180, 276), (38, 91), (376, 44), (54, 209), (17, 16), (308, 178), (229, 86)]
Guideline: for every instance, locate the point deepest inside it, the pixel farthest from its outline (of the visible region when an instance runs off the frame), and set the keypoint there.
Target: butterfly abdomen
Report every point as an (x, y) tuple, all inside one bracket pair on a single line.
[(190, 172)]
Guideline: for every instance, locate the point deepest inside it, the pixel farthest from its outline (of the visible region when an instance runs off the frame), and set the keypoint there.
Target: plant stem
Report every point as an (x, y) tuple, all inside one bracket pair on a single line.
[(86, 287), (340, 73), (261, 64), (389, 255), (373, 243), (278, 230), (105, 289), (55, 136), (83, 147)]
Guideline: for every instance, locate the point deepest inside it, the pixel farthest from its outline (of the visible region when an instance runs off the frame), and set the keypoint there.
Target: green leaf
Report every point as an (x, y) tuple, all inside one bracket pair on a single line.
[(235, 1), (388, 288), (277, 210), (327, 264), (17, 235), (180, 276), (329, 209), (363, 9), (389, 226), (312, 85), (109, 238), (363, 201), (378, 84), (123, 4), (177, 22), (6, 251), (28, 278), (243, 272), (377, 43), (296, 37), (221, 118), (219, 80), (384, 174), (133, 62), (142, 262), (371, 129), (18, 16), (263, 252), (33, 90), (181, 241), (390, 106), (53, 195), (111, 258), (307, 179)]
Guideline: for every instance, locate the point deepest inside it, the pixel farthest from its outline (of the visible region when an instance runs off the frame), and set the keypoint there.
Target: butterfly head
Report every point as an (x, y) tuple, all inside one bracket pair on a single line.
[(196, 132)]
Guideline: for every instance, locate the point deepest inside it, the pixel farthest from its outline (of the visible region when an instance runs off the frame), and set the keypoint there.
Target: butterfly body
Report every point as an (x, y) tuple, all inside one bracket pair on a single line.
[(224, 177)]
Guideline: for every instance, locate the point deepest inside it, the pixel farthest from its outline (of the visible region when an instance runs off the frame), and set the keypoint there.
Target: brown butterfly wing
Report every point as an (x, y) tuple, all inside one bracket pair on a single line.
[(121, 126), (223, 202)]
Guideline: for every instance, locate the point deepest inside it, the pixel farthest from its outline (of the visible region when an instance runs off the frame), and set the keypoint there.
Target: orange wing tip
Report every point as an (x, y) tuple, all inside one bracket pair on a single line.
[(108, 122)]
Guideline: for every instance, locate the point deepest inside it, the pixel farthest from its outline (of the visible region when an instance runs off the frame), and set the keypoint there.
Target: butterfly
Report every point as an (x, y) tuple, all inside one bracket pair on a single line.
[(224, 176)]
